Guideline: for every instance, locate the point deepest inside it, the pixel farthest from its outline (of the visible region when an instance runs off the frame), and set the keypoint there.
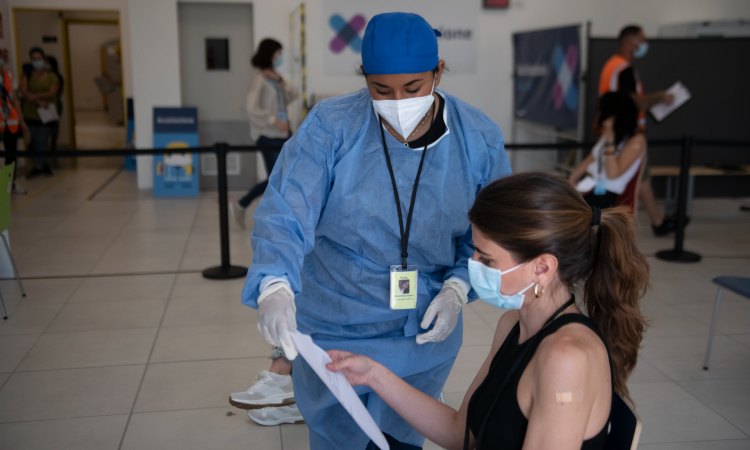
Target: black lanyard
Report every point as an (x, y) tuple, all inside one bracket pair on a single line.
[(404, 231)]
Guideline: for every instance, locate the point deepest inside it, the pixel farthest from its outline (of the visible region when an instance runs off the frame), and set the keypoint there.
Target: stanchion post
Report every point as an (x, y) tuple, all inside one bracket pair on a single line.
[(225, 271), (678, 253)]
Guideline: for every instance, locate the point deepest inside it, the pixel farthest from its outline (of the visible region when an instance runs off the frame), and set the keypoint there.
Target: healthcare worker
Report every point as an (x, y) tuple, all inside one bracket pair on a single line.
[(373, 189)]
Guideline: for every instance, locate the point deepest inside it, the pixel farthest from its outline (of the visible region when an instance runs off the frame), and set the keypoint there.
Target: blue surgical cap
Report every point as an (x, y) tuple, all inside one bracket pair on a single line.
[(399, 43)]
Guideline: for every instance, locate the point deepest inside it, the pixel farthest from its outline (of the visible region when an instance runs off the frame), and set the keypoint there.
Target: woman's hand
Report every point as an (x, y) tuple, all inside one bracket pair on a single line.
[(357, 369), (282, 125)]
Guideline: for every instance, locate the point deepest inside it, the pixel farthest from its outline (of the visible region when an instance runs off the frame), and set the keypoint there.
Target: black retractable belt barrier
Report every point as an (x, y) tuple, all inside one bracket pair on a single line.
[(229, 271), (225, 271), (678, 253)]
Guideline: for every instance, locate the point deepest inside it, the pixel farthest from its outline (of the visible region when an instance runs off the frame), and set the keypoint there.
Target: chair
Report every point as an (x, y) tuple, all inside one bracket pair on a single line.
[(738, 285), (629, 196), (624, 426), (6, 182)]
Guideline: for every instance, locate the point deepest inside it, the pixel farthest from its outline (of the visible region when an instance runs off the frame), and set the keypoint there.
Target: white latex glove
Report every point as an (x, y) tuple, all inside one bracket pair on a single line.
[(276, 317), (444, 310)]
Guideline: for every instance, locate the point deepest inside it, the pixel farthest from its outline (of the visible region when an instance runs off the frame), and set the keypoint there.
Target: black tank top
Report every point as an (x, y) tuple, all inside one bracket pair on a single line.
[(506, 425)]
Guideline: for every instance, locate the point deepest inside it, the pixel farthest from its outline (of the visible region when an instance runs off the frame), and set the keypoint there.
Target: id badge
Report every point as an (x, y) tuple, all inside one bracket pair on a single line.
[(404, 287)]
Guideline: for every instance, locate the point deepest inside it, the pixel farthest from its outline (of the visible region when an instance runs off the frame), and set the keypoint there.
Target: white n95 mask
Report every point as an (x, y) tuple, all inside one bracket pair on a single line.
[(404, 115), (486, 282)]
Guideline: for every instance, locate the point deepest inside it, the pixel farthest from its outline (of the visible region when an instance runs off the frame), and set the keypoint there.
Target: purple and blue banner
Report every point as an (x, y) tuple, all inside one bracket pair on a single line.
[(176, 174), (546, 69)]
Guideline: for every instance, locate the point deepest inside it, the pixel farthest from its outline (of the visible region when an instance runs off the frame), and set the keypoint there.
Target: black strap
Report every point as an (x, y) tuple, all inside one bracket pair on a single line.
[(532, 344), (404, 231)]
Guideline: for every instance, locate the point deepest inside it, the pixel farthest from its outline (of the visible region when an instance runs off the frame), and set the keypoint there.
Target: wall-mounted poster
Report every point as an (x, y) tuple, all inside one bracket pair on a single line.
[(546, 76)]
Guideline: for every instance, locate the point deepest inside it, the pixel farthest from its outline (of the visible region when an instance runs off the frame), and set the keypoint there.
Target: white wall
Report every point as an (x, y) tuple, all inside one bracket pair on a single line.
[(152, 29)]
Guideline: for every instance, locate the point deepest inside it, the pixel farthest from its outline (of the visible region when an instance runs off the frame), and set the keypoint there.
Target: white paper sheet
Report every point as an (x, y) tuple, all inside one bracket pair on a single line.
[(317, 358), (48, 113), (681, 95)]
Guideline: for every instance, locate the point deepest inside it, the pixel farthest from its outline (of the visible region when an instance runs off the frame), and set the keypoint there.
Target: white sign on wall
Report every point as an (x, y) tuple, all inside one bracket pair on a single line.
[(345, 22)]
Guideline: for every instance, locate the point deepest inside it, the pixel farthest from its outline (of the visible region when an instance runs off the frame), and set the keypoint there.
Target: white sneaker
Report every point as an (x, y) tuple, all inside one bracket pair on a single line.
[(271, 389), (238, 212), (276, 415)]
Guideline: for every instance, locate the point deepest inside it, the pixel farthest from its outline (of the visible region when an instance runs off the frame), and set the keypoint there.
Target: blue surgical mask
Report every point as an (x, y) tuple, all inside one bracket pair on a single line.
[(486, 282), (641, 51), (278, 61), (39, 64)]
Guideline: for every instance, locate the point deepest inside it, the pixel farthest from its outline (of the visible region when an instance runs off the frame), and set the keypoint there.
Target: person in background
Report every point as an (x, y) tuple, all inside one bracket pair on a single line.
[(613, 166), (552, 371), (373, 188), (619, 75), (54, 68), (12, 125), (39, 93), (266, 105)]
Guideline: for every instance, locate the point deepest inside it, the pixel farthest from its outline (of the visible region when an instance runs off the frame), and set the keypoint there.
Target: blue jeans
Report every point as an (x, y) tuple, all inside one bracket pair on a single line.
[(271, 147)]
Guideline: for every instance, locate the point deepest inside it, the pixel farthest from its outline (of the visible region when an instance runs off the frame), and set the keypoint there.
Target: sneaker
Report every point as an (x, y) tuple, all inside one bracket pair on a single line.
[(47, 171), (276, 415), (238, 212), (664, 229), (270, 389), (18, 190)]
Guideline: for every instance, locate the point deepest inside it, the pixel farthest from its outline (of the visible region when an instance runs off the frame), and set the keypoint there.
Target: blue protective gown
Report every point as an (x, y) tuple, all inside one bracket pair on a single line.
[(328, 223)]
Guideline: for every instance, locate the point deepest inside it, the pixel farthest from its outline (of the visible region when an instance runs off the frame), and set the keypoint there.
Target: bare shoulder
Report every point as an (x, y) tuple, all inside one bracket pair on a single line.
[(573, 351)]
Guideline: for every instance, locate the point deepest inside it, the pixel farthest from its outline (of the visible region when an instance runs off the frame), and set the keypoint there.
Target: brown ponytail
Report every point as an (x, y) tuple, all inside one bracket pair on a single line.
[(530, 214), (619, 278)]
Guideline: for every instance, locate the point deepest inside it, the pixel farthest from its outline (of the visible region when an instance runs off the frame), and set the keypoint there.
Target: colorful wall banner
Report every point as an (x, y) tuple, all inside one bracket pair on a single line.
[(176, 174), (346, 20), (546, 68)]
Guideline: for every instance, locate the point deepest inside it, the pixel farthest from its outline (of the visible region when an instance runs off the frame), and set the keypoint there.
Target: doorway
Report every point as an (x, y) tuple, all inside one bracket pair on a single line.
[(86, 46)]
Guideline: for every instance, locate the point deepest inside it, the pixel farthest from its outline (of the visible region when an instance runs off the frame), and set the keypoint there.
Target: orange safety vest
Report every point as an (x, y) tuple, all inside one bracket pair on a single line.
[(9, 116), (609, 81)]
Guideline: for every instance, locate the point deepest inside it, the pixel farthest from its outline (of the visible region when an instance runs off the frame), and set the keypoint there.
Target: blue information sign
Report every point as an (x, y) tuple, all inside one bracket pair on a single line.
[(176, 174)]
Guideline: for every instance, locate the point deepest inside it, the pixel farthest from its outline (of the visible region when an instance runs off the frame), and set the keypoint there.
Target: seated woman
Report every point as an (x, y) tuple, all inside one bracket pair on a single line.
[(614, 163), (549, 378)]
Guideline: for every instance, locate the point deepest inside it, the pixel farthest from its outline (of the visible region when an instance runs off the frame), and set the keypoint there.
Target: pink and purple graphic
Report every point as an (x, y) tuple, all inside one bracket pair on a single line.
[(565, 91), (347, 33)]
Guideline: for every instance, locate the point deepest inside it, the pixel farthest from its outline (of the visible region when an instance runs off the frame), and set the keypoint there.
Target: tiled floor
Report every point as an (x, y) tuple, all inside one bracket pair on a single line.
[(121, 343)]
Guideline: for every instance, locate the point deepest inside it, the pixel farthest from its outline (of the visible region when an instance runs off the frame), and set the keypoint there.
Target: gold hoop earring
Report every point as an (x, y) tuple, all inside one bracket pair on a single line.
[(538, 290)]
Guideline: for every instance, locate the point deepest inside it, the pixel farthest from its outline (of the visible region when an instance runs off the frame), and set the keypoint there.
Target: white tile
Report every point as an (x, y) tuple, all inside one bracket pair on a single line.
[(27, 318), (191, 385), (121, 289), (198, 429), (669, 414), (668, 321), (195, 285), (59, 394), (90, 349), (206, 342), (730, 398), (53, 290), (294, 437), (108, 316), (681, 359), (13, 349), (209, 311), (88, 433), (645, 372)]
